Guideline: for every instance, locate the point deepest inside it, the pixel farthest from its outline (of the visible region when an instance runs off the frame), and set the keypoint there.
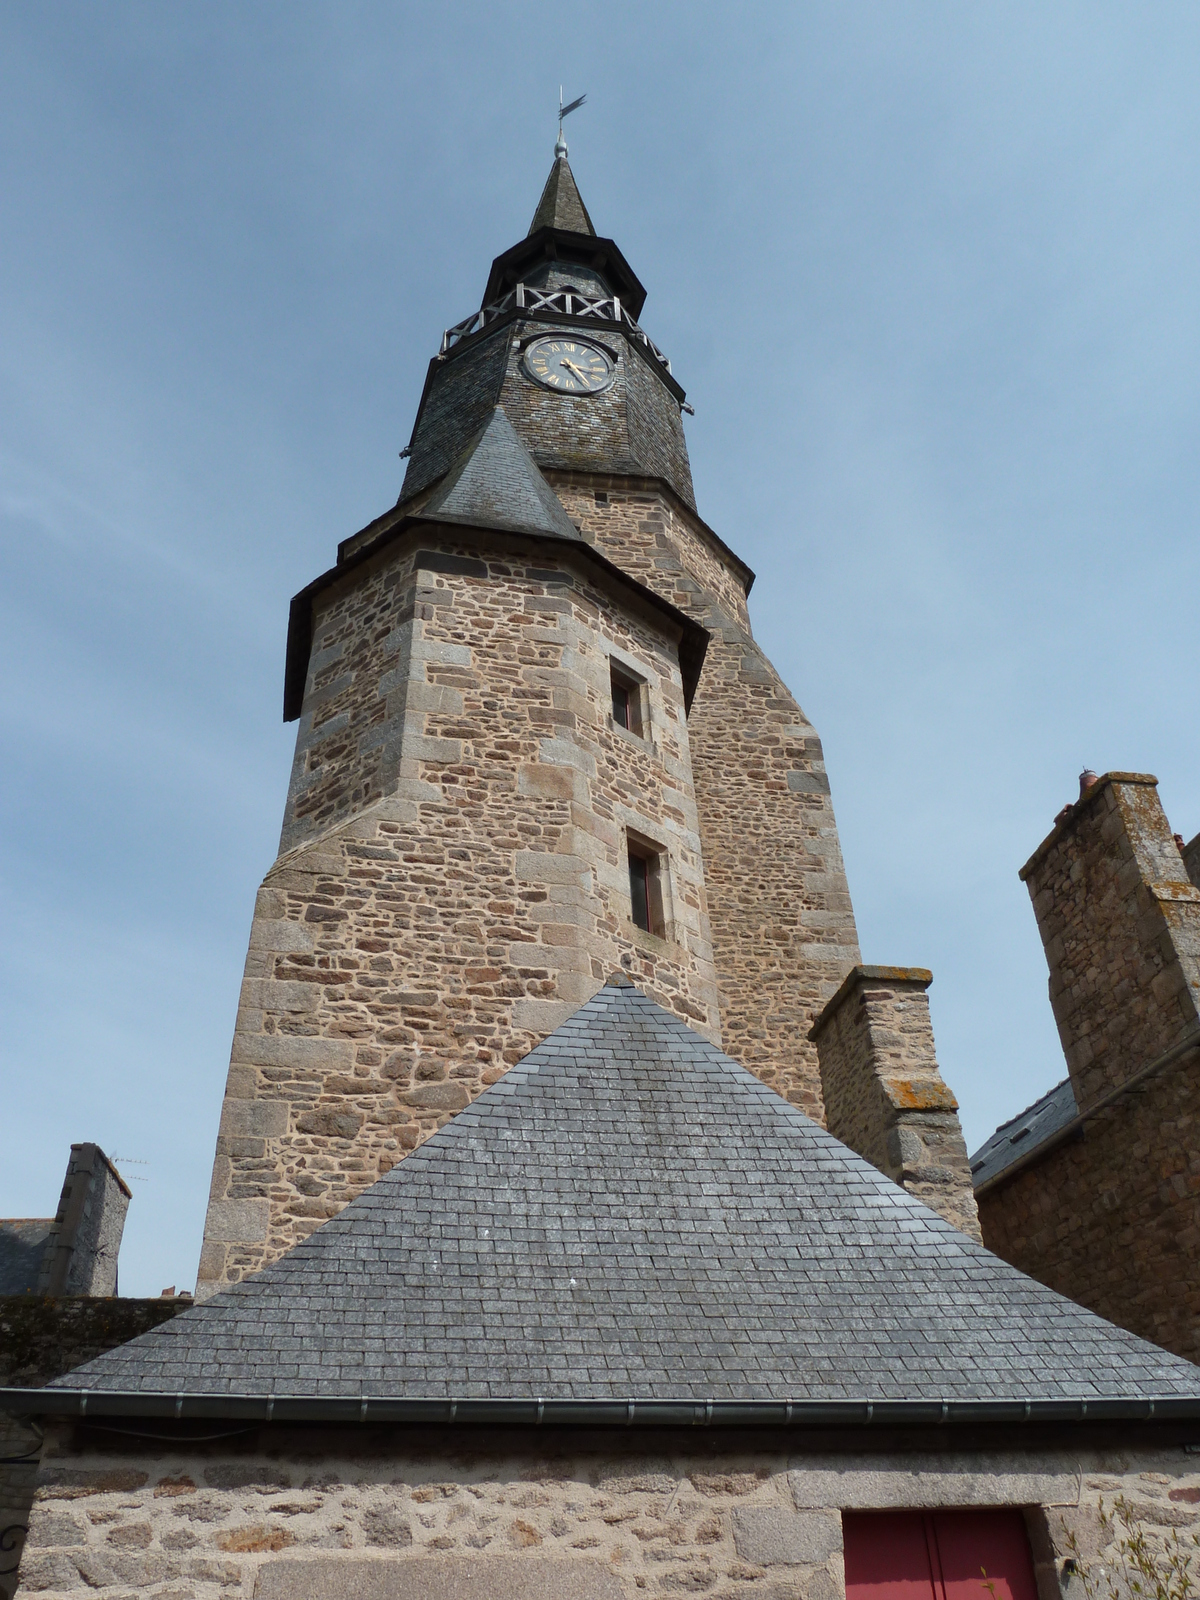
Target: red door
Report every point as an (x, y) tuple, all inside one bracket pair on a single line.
[(937, 1555)]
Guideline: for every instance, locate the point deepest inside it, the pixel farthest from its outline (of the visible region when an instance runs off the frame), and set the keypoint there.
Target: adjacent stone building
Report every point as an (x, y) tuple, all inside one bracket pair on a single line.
[(1095, 1189), (537, 743), (75, 1251), (59, 1308)]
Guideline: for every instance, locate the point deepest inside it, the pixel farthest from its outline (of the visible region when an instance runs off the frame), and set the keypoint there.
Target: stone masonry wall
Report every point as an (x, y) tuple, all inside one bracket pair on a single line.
[(460, 885), (779, 906), (41, 1337), (884, 1095), (1112, 1219), (1120, 922), (305, 1514), (650, 535)]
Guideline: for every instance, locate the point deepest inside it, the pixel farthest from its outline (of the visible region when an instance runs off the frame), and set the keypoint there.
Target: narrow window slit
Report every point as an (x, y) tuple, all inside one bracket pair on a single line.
[(646, 898), (639, 890), (626, 700)]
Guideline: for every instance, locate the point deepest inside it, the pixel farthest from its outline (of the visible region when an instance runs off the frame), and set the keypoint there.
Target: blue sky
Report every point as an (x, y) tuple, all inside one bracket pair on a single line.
[(928, 273)]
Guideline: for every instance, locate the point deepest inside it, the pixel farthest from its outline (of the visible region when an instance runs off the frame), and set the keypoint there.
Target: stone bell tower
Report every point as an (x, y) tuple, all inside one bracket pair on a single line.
[(537, 743)]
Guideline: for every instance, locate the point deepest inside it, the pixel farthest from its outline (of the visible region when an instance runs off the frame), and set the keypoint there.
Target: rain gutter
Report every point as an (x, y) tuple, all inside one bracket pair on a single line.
[(92, 1404)]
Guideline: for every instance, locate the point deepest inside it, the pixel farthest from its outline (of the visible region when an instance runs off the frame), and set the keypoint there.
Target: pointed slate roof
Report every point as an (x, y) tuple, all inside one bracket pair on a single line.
[(561, 205), (626, 1213), (495, 483)]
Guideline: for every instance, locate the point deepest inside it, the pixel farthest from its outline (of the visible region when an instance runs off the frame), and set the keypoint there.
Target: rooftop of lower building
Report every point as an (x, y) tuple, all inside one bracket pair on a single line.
[(1024, 1133)]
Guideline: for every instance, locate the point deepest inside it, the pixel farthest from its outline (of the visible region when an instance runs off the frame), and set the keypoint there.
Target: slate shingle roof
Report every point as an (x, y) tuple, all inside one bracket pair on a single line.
[(628, 1212), (495, 483), (561, 205), (22, 1250), (1023, 1134)]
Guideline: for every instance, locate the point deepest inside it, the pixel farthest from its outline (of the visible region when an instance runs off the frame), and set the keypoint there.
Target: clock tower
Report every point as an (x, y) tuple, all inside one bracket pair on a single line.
[(537, 743)]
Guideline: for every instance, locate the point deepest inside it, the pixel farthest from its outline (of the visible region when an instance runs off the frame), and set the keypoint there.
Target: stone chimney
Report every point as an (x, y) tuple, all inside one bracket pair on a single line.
[(1191, 859), (884, 1095), (85, 1236), (1120, 921)]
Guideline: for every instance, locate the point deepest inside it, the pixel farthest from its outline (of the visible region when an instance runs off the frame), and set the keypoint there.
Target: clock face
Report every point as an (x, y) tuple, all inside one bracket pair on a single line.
[(568, 366)]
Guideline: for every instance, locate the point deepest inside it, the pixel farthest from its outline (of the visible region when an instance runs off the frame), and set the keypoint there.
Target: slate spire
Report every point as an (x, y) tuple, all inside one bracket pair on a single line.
[(561, 205)]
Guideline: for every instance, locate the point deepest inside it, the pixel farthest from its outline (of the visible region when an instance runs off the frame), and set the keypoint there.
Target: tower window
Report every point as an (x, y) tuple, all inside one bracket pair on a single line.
[(645, 887), (620, 703), (626, 700)]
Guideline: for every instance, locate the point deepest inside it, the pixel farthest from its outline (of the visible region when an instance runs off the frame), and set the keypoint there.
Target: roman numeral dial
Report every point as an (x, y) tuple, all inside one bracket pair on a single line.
[(568, 366)]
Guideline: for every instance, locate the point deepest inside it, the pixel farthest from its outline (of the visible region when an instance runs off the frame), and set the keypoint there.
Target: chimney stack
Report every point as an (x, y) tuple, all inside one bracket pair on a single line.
[(883, 1093), (1191, 859), (81, 1252), (1119, 918)]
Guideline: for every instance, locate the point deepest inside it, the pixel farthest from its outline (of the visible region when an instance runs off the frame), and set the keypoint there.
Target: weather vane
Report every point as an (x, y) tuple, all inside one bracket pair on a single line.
[(560, 149)]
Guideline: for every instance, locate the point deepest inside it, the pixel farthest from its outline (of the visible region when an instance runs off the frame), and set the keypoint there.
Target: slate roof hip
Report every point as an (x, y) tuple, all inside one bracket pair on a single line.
[(494, 486), (629, 1216), (495, 483)]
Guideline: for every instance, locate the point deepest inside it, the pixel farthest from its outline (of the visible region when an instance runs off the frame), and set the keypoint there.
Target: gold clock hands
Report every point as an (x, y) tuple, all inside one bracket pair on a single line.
[(549, 364)]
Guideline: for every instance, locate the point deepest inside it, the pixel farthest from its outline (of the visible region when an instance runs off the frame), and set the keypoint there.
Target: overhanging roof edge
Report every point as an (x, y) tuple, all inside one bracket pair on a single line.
[(694, 637)]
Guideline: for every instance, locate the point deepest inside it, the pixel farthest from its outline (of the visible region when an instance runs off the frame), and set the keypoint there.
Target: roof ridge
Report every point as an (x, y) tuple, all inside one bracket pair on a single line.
[(1034, 1104), (1017, 1116)]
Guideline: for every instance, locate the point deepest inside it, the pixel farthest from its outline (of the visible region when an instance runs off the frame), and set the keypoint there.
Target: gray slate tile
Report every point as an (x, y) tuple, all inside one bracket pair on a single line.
[(630, 1213)]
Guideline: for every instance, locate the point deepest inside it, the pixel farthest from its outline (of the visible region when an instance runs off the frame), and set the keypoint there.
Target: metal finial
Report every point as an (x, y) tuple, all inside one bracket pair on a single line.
[(560, 149)]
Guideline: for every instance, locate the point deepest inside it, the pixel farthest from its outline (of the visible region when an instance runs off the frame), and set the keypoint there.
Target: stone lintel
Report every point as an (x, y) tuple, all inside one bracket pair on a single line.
[(885, 1481), (914, 977), (458, 1577)]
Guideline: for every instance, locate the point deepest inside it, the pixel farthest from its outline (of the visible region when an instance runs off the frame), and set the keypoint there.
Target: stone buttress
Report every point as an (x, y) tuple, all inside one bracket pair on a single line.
[(454, 868)]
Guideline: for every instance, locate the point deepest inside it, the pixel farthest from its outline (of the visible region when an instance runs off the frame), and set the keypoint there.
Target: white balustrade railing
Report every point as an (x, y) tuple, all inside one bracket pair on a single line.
[(557, 303)]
